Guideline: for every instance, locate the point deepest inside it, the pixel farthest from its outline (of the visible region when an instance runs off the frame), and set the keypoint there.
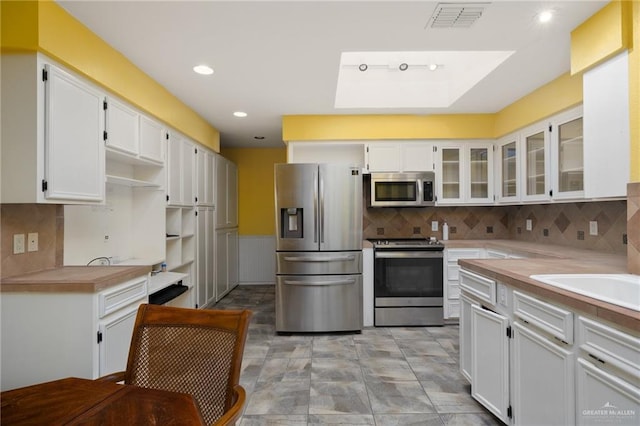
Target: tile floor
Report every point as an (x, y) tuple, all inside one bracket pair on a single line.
[(383, 376)]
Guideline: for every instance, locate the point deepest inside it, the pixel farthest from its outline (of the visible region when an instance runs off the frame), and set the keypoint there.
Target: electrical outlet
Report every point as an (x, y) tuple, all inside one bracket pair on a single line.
[(529, 225), (434, 225), (32, 241), (18, 243), (593, 227)]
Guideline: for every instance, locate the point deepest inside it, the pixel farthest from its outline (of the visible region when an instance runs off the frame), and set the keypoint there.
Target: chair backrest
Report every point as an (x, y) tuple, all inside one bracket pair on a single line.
[(192, 351)]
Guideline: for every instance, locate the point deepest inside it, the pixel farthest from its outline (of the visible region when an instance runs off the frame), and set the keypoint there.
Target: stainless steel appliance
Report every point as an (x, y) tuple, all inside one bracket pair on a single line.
[(318, 247), (408, 282), (401, 189)]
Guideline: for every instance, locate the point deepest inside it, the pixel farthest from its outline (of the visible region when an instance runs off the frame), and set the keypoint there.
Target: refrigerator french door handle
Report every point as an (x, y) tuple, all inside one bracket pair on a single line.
[(348, 258), (321, 210), (315, 207), (320, 283)]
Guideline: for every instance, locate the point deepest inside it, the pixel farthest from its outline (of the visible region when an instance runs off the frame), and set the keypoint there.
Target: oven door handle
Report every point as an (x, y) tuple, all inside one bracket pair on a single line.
[(408, 254), (349, 258), (350, 281)]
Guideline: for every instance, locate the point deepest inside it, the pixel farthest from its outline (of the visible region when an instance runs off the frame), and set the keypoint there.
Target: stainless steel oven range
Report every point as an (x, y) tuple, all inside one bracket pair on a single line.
[(408, 282)]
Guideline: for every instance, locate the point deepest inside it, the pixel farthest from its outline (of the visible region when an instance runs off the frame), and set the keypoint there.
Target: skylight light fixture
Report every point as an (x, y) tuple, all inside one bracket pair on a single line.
[(545, 16), (363, 67), (403, 66), (203, 69), (240, 114)]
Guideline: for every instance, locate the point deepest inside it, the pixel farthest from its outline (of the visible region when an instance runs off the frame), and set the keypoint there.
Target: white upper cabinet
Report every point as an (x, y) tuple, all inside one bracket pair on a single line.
[(606, 129), (536, 163), (205, 172), (465, 173), (543, 162), (383, 157), (226, 193), (399, 157), (132, 133), (508, 168), (121, 127), (74, 147), (568, 158), (181, 169), (152, 140)]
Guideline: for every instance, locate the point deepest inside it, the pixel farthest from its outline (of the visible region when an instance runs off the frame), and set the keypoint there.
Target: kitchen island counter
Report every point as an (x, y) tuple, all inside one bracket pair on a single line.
[(79, 279), (553, 259)]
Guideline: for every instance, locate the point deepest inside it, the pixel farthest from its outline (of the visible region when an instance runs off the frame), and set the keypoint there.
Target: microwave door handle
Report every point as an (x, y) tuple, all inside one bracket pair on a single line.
[(420, 197)]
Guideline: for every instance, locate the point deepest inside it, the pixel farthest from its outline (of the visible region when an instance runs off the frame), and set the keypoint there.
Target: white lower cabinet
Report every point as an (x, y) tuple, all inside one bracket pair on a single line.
[(608, 374), (543, 380), (490, 360), (227, 266), (115, 331), (84, 335), (465, 336), (604, 398), (206, 265), (536, 362)]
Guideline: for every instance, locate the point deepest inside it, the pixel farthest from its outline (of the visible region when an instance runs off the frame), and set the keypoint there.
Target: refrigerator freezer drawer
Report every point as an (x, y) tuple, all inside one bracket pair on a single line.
[(319, 263), (318, 303)]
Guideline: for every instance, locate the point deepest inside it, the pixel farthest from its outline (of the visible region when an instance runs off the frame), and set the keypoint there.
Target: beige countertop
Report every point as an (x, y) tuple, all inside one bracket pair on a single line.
[(79, 279), (552, 259)]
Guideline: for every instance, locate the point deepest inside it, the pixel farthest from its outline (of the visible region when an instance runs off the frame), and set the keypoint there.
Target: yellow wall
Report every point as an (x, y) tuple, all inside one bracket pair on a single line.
[(256, 203), (558, 95), (562, 93), (602, 36), (46, 27), (354, 127), (634, 94)]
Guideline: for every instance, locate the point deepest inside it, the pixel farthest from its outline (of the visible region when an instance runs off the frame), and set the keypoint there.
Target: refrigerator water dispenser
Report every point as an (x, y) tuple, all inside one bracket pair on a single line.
[(291, 222)]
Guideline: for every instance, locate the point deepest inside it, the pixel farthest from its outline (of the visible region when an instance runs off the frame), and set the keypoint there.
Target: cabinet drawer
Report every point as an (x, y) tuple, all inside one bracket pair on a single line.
[(476, 285), (116, 298), (549, 318), (612, 346), (453, 255)]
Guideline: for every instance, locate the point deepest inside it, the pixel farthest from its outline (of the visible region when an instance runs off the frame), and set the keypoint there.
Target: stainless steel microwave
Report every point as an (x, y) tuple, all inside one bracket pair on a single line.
[(401, 189)]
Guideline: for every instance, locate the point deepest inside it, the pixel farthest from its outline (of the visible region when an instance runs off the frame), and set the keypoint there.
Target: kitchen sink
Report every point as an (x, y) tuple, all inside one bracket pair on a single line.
[(618, 289)]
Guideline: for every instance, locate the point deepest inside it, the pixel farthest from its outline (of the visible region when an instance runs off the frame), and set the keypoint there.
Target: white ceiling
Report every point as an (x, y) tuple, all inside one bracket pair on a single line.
[(275, 58)]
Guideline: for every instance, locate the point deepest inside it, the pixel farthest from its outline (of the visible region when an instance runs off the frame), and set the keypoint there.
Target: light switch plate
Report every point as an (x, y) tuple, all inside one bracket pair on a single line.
[(18, 243), (434, 225), (593, 227), (32, 241)]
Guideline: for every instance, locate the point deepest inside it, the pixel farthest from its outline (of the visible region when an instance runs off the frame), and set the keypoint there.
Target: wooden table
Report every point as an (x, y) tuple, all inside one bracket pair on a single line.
[(75, 401)]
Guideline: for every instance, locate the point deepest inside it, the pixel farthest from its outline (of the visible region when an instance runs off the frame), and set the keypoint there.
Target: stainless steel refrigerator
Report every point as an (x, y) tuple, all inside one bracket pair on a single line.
[(318, 248)]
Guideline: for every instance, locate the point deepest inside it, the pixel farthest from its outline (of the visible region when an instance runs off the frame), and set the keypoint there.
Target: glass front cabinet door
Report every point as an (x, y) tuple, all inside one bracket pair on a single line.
[(508, 167), (450, 176), (567, 146), (480, 172), (536, 164)]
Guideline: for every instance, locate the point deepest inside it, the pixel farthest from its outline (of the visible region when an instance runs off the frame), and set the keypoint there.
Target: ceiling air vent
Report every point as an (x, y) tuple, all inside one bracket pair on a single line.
[(456, 15)]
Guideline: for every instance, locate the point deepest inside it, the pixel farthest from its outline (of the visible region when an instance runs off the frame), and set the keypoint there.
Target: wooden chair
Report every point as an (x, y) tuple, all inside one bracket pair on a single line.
[(192, 351)]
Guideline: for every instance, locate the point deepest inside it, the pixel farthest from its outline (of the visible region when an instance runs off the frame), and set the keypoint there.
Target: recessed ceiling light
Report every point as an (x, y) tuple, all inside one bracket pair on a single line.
[(240, 114), (203, 69), (545, 16)]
